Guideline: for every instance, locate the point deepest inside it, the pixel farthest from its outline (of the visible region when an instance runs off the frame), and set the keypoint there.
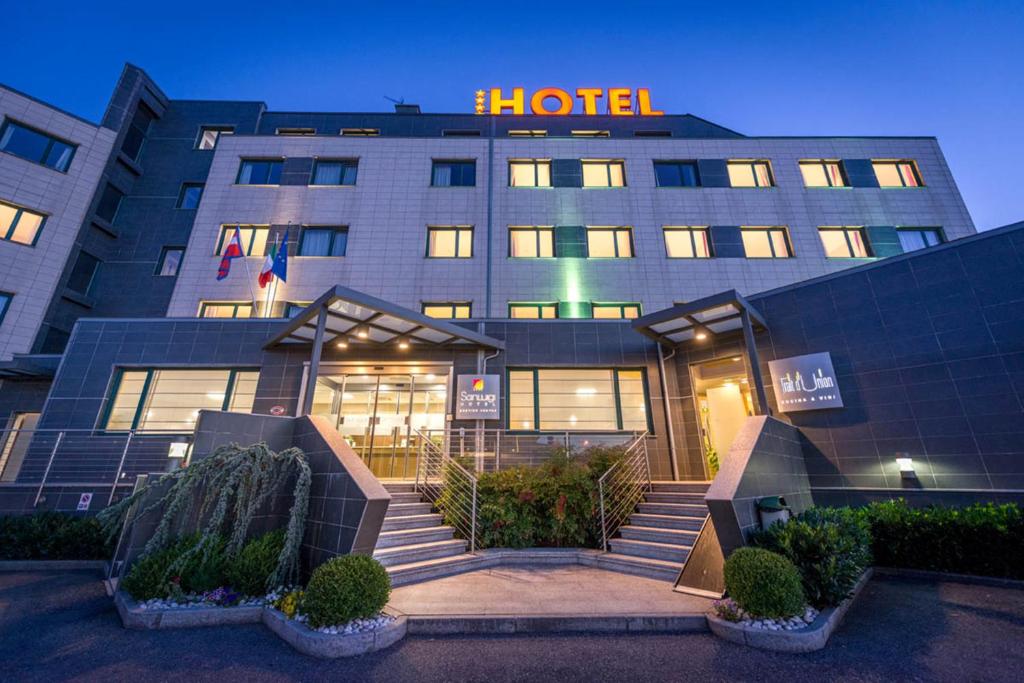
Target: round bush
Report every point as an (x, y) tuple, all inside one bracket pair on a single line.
[(346, 588), (248, 573), (764, 583)]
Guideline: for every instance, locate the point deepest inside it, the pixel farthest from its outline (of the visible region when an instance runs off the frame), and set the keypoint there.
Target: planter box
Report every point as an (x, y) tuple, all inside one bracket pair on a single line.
[(330, 646), (812, 637), (134, 617)]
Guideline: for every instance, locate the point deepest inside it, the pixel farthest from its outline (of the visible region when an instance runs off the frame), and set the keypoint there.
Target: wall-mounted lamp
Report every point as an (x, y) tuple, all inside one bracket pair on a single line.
[(177, 449), (906, 466)]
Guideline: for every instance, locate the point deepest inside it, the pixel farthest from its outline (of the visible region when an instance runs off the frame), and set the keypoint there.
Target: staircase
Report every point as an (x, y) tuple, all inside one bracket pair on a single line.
[(414, 544), (659, 535)]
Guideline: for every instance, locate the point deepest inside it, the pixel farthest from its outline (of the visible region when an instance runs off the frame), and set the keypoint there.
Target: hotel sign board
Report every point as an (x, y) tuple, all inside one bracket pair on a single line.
[(478, 397), (559, 102), (805, 383)]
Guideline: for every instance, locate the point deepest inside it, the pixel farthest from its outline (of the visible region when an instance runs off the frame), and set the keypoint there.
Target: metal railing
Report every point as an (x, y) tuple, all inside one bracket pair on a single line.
[(83, 459), (622, 487), (449, 486)]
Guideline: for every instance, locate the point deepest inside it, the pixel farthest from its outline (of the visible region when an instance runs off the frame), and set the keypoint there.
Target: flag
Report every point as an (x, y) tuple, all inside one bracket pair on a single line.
[(280, 267), (232, 251), (267, 270)]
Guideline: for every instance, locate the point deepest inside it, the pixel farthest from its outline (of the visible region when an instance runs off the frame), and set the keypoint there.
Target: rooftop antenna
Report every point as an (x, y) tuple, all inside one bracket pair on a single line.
[(400, 100)]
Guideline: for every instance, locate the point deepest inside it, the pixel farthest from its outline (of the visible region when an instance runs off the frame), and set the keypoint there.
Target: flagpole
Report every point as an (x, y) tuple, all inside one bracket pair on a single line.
[(272, 292), (248, 280)]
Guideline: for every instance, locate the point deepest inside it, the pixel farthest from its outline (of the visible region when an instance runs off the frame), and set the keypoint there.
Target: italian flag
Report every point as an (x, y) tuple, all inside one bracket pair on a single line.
[(267, 271), (276, 263)]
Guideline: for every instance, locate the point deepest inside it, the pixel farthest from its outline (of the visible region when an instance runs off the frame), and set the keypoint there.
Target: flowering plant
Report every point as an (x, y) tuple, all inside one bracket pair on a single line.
[(223, 597), (727, 609)]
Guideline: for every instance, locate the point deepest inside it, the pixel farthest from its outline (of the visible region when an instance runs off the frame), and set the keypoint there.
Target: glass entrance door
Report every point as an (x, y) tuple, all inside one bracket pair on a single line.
[(377, 415)]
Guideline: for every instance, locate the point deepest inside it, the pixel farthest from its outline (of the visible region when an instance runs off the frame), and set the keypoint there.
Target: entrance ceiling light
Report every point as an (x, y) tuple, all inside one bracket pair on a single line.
[(363, 332), (403, 342), (343, 342)]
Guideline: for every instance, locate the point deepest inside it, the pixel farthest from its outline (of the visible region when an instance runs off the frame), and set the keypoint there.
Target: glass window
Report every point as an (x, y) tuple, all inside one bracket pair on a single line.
[(676, 174), (334, 172), (5, 304), (110, 202), (324, 241), (19, 225), (83, 272), (449, 242), (170, 261), (531, 242), (533, 311), (260, 172), (170, 400), (912, 239), (15, 442), (453, 174), (604, 173), (254, 239), (361, 132), (769, 242), (577, 399), (447, 310), (609, 242), (225, 309), (687, 242), (190, 195), (529, 173), (209, 135), (33, 145), (137, 131), (527, 133), (842, 242), (293, 308), (602, 311), (591, 133), (897, 173), (750, 173), (822, 173), (295, 131)]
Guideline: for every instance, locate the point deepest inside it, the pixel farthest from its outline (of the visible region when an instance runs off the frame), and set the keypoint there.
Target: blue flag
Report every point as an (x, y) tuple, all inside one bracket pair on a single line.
[(280, 267)]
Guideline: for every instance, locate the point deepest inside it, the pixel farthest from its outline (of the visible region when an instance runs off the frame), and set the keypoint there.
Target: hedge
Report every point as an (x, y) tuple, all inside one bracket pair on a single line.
[(52, 536)]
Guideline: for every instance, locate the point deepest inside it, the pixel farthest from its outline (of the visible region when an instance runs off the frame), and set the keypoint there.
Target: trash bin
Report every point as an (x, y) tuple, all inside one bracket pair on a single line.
[(773, 509)]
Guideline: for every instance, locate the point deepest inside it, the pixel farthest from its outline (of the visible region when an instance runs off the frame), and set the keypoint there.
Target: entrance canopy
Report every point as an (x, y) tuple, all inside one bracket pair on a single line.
[(702, 319), (351, 317)]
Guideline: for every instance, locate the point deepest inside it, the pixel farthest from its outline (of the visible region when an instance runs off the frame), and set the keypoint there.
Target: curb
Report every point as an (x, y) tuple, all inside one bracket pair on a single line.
[(330, 646), (51, 565), (547, 623), (809, 639), (930, 575), (136, 618)]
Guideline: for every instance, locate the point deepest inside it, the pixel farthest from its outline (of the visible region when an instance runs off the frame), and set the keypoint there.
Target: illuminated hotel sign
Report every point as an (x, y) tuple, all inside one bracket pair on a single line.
[(558, 102), (477, 397), (805, 383)]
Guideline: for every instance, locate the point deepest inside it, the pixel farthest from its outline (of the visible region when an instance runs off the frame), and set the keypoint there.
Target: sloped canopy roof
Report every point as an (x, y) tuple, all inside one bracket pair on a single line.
[(351, 314), (717, 314)]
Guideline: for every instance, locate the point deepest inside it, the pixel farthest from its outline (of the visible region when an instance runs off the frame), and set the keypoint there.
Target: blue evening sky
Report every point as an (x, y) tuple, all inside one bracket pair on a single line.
[(949, 69)]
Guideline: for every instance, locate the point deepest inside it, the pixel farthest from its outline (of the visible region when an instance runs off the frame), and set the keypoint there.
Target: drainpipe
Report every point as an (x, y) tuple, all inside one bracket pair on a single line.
[(668, 411)]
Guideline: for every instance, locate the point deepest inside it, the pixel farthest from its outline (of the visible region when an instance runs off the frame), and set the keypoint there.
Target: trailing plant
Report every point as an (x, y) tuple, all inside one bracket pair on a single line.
[(251, 570), (220, 494), (763, 583), (831, 548), (346, 588), (52, 536)]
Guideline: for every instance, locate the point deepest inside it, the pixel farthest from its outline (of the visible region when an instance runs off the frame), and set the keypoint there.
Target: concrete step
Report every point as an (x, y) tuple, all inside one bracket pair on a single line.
[(654, 551), (665, 521), (426, 570), (403, 537), (674, 509), (411, 522), (680, 486), (394, 486), (410, 497), (405, 554), (639, 566), (674, 497), (406, 509), (680, 537)]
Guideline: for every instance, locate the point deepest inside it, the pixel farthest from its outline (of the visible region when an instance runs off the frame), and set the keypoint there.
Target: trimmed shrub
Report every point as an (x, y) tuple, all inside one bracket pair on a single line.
[(52, 536), (346, 588), (149, 576), (250, 572), (763, 583), (831, 548), (162, 573)]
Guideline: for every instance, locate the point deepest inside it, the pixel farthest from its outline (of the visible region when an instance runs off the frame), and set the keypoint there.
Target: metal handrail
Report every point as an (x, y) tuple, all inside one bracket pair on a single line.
[(438, 473), (622, 487)]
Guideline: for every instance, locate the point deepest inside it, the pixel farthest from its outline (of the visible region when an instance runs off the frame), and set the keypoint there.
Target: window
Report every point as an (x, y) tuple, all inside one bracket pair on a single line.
[(323, 241), (652, 133), (210, 135), (823, 173), (450, 241), (137, 131), (225, 309), (912, 239), (533, 311), (453, 174), (685, 242), (765, 242), (452, 310), (33, 145), (170, 261), (360, 132), (842, 242), (254, 238), (83, 272), (604, 173), (170, 400), (897, 173), (527, 133), (293, 308), (676, 174), (334, 172), (260, 172), (749, 173), (591, 133), (295, 131), (190, 195), (529, 173), (14, 445), (609, 242), (110, 202), (531, 242), (5, 304), (19, 225), (460, 133), (604, 311), (577, 399)]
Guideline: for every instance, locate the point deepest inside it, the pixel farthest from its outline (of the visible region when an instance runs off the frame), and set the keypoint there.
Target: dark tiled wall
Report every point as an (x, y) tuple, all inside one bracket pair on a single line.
[(21, 396)]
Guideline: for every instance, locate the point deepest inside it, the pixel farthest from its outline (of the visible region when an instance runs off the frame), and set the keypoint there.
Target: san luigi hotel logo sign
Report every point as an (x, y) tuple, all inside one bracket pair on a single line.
[(559, 102), (805, 383)]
